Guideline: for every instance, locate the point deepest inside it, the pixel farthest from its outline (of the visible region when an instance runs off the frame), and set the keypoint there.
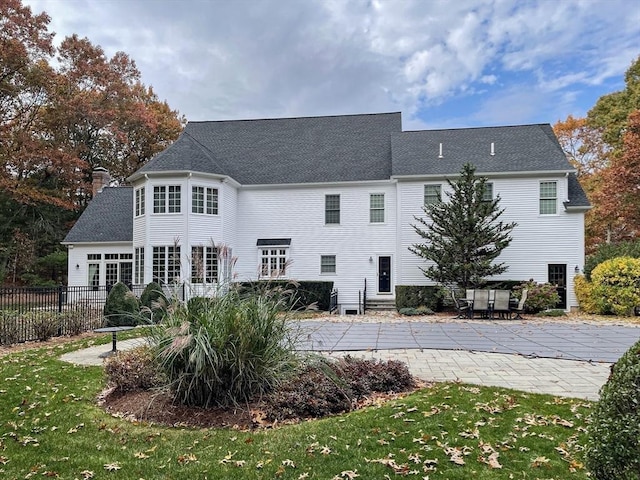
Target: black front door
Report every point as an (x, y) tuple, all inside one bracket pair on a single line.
[(384, 274), (558, 277)]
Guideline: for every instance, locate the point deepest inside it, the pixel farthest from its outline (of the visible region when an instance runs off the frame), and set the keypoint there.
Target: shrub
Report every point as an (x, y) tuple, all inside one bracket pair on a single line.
[(44, 324), (585, 295), (414, 296), (72, 322), (294, 295), (153, 302), (554, 312), (224, 350), (415, 311), (613, 445), (324, 387), (312, 391), (616, 286), (121, 307), (133, 369), (9, 332), (367, 376), (608, 251), (540, 296)]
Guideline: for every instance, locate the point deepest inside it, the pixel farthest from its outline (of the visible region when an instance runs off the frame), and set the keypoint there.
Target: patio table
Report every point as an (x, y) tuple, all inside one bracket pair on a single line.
[(114, 332)]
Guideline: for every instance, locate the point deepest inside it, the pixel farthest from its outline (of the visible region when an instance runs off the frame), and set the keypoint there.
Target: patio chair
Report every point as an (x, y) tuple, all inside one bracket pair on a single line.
[(520, 308), (501, 303), (481, 302), (462, 308), (469, 294)]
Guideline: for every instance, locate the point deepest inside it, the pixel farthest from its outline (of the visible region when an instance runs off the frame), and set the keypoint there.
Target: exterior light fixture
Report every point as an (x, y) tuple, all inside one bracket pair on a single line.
[(577, 269), (77, 266), (371, 259)]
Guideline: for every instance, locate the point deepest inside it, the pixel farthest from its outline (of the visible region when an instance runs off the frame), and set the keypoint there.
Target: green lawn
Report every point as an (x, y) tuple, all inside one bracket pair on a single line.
[(51, 426)]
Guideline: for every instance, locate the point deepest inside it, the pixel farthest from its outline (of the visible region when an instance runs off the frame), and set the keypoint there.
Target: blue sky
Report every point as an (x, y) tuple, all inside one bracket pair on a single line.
[(443, 64)]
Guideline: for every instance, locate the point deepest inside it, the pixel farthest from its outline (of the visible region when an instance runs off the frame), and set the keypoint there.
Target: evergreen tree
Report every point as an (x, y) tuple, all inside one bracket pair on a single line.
[(463, 236)]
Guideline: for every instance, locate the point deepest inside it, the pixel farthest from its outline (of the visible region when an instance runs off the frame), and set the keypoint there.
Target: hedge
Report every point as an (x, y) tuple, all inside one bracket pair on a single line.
[(302, 293), (414, 296)]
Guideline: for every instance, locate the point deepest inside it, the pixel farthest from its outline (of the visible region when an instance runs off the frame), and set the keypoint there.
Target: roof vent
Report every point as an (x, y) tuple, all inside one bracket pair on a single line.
[(440, 154), (493, 148)]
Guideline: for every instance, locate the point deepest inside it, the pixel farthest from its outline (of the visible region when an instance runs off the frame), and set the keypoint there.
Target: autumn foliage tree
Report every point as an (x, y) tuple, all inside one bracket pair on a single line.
[(601, 147), (63, 112)]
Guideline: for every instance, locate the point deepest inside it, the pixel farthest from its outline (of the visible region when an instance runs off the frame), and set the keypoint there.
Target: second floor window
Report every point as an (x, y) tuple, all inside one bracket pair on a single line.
[(432, 194), (139, 201), (332, 209), (376, 208), (166, 199), (548, 198), (204, 200), (487, 195)]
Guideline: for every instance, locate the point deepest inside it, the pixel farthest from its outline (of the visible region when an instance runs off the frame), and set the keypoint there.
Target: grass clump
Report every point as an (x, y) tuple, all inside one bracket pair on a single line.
[(224, 350)]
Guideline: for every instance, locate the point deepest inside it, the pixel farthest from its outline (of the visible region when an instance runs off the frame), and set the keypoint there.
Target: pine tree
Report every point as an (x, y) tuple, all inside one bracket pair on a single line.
[(463, 236)]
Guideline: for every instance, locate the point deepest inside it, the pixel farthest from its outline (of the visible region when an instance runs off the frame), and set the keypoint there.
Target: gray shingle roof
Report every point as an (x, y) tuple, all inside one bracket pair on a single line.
[(285, 151), (521, 148), (107, 218), (577, 196), (329, 149)]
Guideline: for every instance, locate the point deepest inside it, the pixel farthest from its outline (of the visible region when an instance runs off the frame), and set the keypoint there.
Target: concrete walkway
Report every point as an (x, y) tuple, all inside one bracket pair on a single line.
[(563, 359)]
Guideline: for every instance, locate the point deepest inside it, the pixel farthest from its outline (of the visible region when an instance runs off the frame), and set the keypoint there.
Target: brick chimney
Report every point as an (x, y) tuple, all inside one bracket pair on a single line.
[(101, 179)]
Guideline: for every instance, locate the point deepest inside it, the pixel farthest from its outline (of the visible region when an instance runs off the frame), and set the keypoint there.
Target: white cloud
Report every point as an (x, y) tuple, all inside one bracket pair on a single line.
[(269, 58)]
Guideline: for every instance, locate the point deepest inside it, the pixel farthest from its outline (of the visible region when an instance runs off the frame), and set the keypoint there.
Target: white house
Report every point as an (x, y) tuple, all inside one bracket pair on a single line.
[(324, 198)]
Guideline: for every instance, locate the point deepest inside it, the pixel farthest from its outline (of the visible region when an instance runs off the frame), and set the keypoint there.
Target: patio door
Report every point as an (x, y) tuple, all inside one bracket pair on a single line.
[(558, 276), (384, 274)]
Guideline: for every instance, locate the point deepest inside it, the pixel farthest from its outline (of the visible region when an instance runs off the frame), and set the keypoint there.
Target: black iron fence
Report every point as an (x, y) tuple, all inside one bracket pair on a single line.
[(37, 313)]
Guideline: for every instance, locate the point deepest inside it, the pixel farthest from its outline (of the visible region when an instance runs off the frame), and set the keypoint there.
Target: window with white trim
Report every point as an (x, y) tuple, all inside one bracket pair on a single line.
[(174, 198), (93, 269), (139, 265), (327, 264), (376, 208), (204, 264), (487, 194), (166, 264), (139, 197), (204, 200), (166, 199), (331, 209), (118, 268), (159, 199), (548, 198), (273, 262), (432, 194)]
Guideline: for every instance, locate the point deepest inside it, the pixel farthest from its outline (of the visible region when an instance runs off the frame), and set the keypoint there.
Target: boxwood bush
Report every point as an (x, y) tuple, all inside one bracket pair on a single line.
[(616, 286), (608, 251), (122, 307), (153, 302), (613, 447)]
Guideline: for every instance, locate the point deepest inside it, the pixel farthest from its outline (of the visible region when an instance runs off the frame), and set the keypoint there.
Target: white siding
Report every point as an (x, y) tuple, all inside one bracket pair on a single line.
[(78, 264), (538, 240), (299, 214)]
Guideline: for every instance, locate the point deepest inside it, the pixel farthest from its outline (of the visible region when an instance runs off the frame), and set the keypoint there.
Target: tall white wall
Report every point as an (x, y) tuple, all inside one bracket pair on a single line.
[(299, 214), (78, 271), (538, 240)]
